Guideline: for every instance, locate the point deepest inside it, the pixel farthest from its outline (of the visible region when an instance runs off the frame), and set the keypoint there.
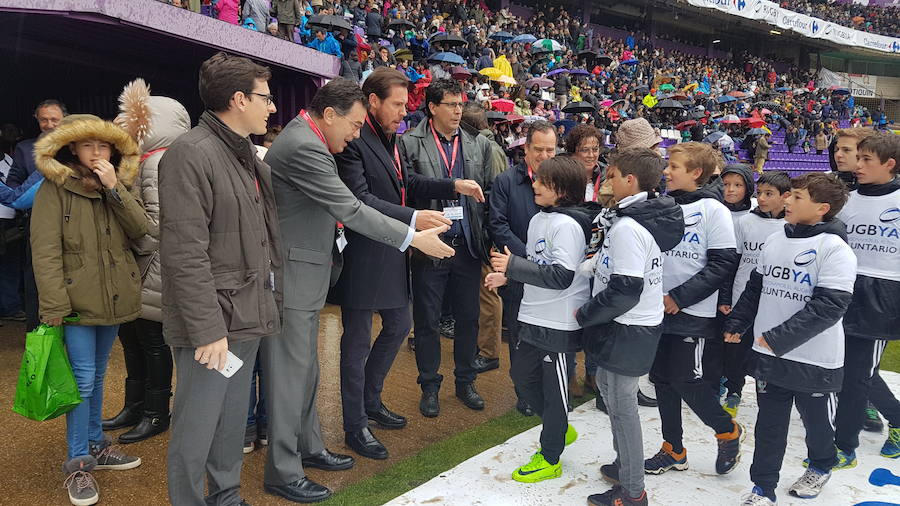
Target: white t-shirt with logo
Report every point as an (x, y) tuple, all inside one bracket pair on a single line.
[(751, 233), (707, 225), (873, 231), (791, 268), (630, 250), (555, 239)]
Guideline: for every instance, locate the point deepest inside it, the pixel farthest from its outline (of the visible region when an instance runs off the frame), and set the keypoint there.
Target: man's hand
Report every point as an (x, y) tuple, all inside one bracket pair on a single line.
[(732, 337), (54, 322), (213, 355), (106, 172), (761, 341), (429, 242), (469, 187), (500, 261), (426, 219), (494, 280), (725, 309), (670, 306)]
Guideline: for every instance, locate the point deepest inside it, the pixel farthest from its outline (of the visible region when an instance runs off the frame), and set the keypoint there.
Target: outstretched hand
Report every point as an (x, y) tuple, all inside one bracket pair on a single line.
[(494, 280), (500, 261), (430, 243), (469, 187)]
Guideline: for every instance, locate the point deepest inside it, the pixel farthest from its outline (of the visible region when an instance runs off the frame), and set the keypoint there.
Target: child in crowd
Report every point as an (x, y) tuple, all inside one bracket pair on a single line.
[(794, 301), (873, 229), (738, 187), (750, 233), (557, 238), (694, 271), (623, 320)]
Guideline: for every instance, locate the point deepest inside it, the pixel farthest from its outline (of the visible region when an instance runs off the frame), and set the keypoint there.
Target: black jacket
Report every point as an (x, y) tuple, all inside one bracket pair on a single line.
[(874, 312), (629, 349), (720, 263), (511, 209), (824, 309), (745, 172)]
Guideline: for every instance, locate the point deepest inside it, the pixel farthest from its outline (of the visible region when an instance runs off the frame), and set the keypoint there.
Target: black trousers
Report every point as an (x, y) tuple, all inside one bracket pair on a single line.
[(511, 295), (460, 275), (817, 412), (147, 356), (364, 368), (735, 363), (861, 359), (540, 376), (677, 373)]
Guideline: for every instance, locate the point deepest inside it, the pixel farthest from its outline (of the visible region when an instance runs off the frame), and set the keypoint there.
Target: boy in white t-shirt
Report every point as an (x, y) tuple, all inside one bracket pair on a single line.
[(795, 301), (556, 242), (623, 320)]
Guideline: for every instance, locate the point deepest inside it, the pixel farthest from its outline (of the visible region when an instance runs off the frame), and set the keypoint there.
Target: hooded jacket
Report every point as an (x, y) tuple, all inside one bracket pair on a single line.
[(817, 320), (80, 239), (629, 349), (745, 172)]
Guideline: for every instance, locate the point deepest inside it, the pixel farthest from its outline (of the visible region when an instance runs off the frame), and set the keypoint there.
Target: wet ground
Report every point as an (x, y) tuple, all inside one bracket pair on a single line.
[(35, 450)]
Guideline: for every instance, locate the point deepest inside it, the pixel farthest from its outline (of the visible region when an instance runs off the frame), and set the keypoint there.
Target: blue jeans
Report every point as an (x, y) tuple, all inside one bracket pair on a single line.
[(10, 275), (257, 411), (88, 348)]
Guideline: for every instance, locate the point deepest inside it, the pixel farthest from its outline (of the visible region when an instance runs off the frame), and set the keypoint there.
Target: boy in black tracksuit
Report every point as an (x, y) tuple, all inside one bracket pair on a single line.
[(794, 301), (692, 273)]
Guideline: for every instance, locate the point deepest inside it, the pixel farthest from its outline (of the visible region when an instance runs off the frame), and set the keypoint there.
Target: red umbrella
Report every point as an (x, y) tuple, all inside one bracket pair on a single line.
[(765, 111), (515, 118), (503, 105), (736, 94), (460, 73), (685, 124)]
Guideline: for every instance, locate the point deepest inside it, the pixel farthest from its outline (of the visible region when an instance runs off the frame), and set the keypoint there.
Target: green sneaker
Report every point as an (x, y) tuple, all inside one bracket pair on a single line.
[(538, 469), (891, 448), (731, 404), (844, 460), (571, 435), (872, 422)]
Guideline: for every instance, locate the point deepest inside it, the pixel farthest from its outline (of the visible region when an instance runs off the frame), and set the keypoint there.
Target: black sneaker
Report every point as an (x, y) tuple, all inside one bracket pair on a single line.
[(448, 328), (109, 457), (523, 408), (483, 364), (250, 438), (872, 422), (610, 472), (729, 449)]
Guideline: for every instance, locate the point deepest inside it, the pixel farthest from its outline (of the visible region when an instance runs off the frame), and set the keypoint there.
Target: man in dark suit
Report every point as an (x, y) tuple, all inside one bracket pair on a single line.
[(375, 277)]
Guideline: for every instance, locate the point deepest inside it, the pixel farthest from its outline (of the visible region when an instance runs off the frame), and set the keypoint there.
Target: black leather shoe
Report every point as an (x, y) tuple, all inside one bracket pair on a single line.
[(470, 397), (328, 461), (643, 400), (483, 364), (386, 418), (366, 444), (523, 408), (429, 406), (303, 490), (244, 503)]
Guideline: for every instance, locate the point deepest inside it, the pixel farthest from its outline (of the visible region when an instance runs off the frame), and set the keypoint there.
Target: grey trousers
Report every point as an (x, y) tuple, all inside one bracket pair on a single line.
[(208, 423), (292, 362), (620, 394)]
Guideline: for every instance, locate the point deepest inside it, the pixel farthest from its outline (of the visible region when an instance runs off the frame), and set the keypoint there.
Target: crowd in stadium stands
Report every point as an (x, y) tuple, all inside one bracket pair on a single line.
[(881, 19)]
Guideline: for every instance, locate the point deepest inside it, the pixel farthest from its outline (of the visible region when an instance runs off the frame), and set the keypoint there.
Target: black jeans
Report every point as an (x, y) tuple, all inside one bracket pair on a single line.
[(460, 276), (511, 294), (363, 369), (147, 356), (735, 363)]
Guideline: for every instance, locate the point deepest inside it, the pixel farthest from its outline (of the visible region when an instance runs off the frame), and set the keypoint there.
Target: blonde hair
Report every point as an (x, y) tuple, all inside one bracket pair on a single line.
[(699, 156)]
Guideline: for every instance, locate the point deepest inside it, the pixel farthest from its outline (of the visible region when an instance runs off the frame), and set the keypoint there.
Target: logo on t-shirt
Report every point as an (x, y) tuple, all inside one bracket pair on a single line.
[(540, 246), (805, 258), (889, 215), (692, 220)]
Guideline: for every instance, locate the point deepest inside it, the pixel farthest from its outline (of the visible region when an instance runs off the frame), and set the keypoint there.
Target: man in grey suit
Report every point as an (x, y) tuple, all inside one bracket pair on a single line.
[(311, 198)]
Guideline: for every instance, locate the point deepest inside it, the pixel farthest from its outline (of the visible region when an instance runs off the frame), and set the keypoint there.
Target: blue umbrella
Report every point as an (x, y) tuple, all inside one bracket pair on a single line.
[(757, 131), (725, 99), (783, 88), (630, 62), (556, 71), (579, 72), (501, 36), (840, 91), (447, 57), (713, 137), (525, 38)]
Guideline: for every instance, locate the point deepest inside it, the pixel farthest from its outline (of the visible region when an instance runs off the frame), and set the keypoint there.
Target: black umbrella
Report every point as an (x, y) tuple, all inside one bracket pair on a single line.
[(538, 49), (642, 89), (698, 115), (330, 22), (768, 104), (495, 116), (588, 54), (603, 59), (401, 24), (451, 40), (669, 104), (578, 107)]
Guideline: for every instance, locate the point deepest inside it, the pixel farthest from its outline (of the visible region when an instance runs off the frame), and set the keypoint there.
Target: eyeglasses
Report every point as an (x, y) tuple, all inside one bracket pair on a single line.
[(453, 105), (589, 150), (269, 98)]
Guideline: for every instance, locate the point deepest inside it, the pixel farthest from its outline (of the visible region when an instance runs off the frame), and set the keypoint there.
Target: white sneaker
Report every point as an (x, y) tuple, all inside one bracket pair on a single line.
[(755, 498), (810, 484)]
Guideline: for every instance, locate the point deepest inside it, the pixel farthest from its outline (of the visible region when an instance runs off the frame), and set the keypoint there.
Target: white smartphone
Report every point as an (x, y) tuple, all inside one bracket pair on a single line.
[(232, 364)]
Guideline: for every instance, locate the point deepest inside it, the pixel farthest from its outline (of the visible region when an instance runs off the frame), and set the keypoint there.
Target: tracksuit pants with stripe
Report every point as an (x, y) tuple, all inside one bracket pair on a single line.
[(541, 379), (861, 383), (817, 412), (677, 373)]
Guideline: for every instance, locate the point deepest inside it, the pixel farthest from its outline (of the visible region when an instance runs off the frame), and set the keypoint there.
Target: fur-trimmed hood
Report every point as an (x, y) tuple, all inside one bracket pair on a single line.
[(51, 153)]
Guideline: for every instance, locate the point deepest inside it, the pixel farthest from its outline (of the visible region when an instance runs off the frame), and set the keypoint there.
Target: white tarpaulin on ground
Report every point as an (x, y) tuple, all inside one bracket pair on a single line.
[(808, 26), (485, 478)]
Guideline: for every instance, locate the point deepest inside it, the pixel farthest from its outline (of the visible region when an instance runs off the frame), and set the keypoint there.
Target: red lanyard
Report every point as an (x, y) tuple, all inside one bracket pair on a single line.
[(530, 173), (597, 186), (148, 154), (312, 124), (452, 162), (397, 166)]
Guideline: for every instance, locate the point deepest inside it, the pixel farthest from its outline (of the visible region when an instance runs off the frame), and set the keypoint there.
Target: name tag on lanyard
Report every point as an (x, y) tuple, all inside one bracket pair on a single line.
[(453, 210)]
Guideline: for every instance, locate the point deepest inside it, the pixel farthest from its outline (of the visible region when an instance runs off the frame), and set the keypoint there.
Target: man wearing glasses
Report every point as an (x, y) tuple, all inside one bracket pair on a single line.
[(438, 148)]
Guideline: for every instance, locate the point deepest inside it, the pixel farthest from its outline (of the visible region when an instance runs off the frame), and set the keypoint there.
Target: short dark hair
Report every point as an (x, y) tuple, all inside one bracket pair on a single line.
[(435, 92), (340, 94), (778, 179), (700, 155), (539, 126), (223, 75), (883, 145), (579, 133), (643, 163), (475, 116), (565, 176), (50, 102), (823, 189), (382, 80)]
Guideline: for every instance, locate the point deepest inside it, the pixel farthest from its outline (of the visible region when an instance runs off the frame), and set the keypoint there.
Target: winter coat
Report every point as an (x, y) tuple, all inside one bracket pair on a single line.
[(373, 24), (762, 149), (329, 45), (749, 184), (219, 244), (80, 239), (287, 12), (821, 142), (227, 10), (259, 11), (169, 121)]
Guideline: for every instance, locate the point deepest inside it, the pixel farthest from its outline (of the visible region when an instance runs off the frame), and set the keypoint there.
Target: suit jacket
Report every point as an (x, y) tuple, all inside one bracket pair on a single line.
[(420, 155), (311, 198), (375, 275)]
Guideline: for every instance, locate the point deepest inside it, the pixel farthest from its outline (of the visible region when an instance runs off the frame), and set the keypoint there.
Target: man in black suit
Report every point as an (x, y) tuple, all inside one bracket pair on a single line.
[(375, 277)]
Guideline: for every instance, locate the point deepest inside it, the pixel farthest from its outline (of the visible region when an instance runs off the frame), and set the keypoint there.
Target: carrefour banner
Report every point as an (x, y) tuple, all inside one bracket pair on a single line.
[(808, 26)]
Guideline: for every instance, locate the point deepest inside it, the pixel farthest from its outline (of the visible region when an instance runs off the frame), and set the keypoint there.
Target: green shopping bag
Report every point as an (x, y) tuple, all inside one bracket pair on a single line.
[(47, 386)]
